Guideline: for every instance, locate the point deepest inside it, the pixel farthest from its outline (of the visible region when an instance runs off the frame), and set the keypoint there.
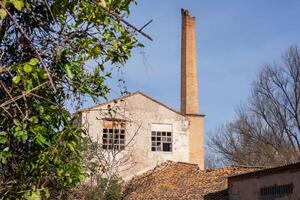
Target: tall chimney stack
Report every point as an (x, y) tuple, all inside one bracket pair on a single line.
[(189, 90), (189, 83)]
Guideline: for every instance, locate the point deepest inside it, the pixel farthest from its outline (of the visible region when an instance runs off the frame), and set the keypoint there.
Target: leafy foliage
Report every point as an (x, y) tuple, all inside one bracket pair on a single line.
[(53, 53)]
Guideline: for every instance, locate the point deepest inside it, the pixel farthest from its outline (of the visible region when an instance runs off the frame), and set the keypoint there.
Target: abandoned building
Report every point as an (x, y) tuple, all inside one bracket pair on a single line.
[(146, 132), (160, 151)]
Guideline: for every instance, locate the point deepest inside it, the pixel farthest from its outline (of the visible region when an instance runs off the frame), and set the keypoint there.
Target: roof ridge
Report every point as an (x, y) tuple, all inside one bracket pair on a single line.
[(109, 101), (131, 94), (247, 166)]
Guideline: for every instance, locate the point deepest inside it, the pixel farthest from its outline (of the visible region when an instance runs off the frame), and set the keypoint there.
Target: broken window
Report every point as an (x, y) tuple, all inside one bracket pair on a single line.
[(113, 136), (161, 141), (161, 137)]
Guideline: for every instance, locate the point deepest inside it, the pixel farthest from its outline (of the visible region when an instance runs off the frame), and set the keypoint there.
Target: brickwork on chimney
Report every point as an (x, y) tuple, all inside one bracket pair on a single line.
[(189, 89), (189, 83)]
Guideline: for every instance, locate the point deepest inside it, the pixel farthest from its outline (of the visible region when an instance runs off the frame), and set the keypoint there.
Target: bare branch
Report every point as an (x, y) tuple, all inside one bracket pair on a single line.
[(124, 21), (33, 46)]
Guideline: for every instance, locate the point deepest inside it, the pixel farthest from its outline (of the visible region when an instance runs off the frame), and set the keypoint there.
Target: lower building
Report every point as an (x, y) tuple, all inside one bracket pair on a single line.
[(177, 180), (278, 183)]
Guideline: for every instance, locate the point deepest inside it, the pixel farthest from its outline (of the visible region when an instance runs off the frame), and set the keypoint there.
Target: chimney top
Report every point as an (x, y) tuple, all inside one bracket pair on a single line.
[(185, 12)]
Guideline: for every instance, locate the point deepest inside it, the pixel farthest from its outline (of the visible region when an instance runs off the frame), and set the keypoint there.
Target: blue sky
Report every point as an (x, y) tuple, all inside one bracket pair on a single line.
[(234, 39)]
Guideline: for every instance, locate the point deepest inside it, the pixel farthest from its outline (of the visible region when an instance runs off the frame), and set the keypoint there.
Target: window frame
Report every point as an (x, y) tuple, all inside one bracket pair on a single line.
[(113, 134), (162, 136)]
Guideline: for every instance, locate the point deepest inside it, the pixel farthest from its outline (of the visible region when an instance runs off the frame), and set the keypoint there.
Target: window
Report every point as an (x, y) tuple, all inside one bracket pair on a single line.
[(113, 135), (161, 137), (277, 190)]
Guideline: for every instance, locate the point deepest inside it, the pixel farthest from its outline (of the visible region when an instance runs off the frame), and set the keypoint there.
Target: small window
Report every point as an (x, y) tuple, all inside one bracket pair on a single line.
[(113, 136), (276, 190), (161, 140)]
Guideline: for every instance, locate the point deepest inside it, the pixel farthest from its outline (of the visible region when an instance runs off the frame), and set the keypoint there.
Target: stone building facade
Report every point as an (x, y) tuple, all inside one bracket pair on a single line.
[(146, 132)]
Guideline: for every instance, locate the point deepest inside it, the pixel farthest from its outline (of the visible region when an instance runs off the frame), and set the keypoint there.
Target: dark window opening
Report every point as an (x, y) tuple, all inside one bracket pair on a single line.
[(167, 147), (277, 190), (114, 138), (161, 141)]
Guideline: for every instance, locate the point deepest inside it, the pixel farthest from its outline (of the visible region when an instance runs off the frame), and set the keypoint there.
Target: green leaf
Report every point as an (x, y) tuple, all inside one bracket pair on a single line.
[(70, 180), (19, 4), (2, 13), (16, 79), (34, 119), (27, 68), (24, 136), (47, 194), (3, 133), (41, 140), (3, 139), (44, 75), (33, 61), (5, 154), (96, 50), (28, 85), (16, 122), (35, 195), (69, 72), (41, 109), (70, 146), (103, 3)]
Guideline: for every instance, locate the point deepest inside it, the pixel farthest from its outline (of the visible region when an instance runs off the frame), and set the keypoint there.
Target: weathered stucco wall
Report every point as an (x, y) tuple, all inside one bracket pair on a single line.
[(196, 140), (140, 113), (249, 188)]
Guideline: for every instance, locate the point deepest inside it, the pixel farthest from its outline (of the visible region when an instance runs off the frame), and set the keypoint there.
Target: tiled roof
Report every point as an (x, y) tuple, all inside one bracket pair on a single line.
[(220, 195), (177, 180), (267, 171)]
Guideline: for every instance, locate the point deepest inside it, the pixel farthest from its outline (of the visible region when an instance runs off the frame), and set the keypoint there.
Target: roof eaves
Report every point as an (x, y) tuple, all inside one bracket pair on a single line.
[(126, 96), (268, 170), (107, 102), (164, 105)]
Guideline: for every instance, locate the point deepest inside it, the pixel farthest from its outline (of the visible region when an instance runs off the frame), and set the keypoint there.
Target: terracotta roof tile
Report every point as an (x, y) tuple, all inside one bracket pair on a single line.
[(177, 180), (268, 170)]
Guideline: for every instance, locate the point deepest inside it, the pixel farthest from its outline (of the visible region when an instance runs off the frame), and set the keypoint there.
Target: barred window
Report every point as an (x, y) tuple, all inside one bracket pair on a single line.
[(113, 136), (277, 190), (161, 137)]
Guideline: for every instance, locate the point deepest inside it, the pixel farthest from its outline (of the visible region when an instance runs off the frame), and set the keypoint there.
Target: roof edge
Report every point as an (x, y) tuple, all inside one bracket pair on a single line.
[(109, 101), (195, 114), (138, 92), (267, 171)]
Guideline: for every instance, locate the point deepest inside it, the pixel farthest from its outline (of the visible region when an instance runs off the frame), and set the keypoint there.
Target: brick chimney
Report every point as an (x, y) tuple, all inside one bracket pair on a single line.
[(189, 90), (189, 83)]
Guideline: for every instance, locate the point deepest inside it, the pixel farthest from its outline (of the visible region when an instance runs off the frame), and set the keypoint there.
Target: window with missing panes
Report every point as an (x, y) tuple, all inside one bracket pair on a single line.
[(161, 137), (113, 135)]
